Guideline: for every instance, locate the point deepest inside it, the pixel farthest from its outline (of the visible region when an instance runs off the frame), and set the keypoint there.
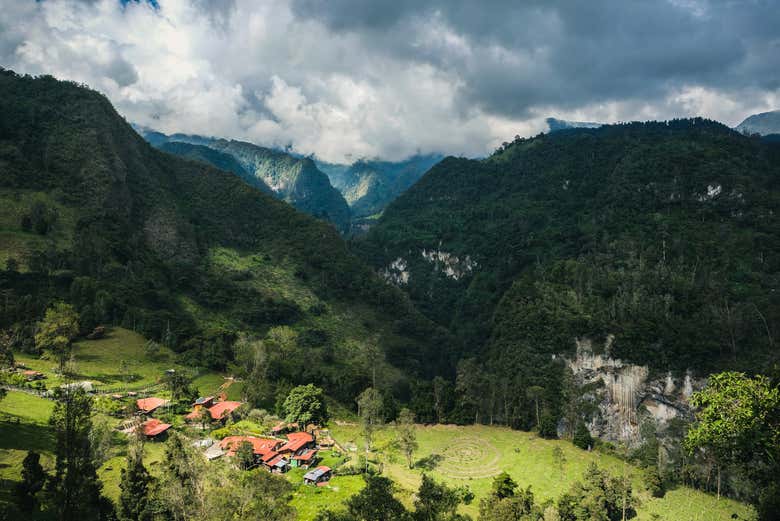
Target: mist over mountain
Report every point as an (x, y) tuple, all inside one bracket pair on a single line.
[(555, 124)]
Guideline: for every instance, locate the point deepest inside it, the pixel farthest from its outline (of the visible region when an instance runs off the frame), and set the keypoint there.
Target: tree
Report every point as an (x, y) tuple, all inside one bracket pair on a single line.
[(470, 385), (6, 350), (441, 392), (503, 486), (535, 393), (245, 456), (434, 501), (582, 438), (256, 494), (75, 485), (407, 435), (134, 485), (599, 497), (738, 422), (33, 479), (376, 502), (507, 502), (57, 330), (306, 404), (370, 411), (180, 386), (181, 491)]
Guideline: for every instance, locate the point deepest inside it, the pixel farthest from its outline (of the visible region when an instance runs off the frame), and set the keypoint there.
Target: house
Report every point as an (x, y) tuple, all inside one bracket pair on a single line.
[(85, 385), (264, 450), (319, 475), (278, 464), (221, 410), (297, 443), (149, 405), (305, 459), (204, 401), (154, 428), (282, 427)]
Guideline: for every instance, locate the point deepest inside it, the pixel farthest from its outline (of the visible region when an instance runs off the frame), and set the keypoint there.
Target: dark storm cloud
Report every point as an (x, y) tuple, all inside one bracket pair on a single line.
[(522, 55)]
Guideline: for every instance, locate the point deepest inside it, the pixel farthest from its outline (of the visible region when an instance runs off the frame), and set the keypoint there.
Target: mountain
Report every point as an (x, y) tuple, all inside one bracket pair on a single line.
[(370, 185), (555, 124), (186, 254), (656, 243), (213, 157), (296, 180), (765, 123)]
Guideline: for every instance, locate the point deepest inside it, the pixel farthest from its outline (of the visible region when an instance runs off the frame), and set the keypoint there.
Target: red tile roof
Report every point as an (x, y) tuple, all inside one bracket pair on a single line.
[(154, 427), (149, 404), (222, 409), (297, 441), (260, 446)]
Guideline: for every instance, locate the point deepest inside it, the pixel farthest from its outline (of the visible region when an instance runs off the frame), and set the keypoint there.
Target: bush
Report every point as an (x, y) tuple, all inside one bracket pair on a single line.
[(582, 437), (653, 482)]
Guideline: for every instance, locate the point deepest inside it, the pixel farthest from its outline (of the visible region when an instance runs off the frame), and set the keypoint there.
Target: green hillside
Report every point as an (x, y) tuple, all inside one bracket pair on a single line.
[(663, 235), (183, 253)]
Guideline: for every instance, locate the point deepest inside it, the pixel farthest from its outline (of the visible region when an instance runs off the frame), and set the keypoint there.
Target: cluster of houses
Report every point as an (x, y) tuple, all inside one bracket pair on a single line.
[(286, 447)]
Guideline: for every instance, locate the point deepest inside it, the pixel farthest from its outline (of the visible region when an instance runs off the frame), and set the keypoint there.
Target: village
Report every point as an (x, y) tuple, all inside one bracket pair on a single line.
[(284, 446)]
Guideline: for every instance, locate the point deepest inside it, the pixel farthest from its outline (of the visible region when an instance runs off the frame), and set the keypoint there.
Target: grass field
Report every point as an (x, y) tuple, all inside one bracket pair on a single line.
[(459, 456), (472, 455)]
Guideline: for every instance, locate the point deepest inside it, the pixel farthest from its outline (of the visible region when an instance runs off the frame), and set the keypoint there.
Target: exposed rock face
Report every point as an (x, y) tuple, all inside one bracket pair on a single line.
[(628, 394), (397, 272), (451, 265)]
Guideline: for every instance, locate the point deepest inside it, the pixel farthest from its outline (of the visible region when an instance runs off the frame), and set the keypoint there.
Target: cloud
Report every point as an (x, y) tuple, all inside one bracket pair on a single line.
[(347, 78)]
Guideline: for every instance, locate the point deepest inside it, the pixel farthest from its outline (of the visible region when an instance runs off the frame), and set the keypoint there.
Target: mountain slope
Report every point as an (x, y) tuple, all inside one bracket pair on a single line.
[(369, 186), (663, 237), (213, 157), (184, 253), (293, 179), (765, 124)]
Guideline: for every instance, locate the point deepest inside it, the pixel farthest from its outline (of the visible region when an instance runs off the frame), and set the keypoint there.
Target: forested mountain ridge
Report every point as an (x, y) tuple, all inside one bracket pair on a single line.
[(184, 253), (370, 185), (213, 157), (296, 180), (662, 237)]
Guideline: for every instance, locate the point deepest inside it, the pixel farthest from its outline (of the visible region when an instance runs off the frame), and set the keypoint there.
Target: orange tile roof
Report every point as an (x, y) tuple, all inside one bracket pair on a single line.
[(154, 427), (297, 441), (260, 446), (150, 404), (222, 409)]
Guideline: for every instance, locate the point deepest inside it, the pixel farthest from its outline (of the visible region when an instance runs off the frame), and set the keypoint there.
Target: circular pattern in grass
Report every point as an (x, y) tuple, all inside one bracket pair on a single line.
[(469, 458)]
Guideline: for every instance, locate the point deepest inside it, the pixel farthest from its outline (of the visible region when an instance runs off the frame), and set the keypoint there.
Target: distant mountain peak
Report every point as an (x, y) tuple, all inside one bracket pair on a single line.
[(764, 123)]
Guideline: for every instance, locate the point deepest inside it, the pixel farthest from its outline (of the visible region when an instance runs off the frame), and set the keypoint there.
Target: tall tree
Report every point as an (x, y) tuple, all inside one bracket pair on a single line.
[(738, 421), (535, 393), (134, 485), (435, 501), (75, 485), (306, 404), (57, 330), (370, 406), (376, 502), (407, 434), (181, 491)]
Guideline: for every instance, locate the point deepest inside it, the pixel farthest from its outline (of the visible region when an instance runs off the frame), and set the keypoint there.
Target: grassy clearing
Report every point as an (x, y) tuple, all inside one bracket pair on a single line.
[(472, 455)]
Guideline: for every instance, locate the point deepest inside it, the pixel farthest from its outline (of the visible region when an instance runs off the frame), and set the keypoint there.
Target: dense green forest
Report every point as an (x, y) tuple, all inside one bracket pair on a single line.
[(186, 254), (662, 236)]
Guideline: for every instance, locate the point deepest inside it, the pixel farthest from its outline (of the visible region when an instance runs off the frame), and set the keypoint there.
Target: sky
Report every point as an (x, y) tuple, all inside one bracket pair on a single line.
[(348, 79)]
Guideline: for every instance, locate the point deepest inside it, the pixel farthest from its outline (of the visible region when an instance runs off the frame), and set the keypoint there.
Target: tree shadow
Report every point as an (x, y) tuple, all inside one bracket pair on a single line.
[(25, 436), (429, 462)]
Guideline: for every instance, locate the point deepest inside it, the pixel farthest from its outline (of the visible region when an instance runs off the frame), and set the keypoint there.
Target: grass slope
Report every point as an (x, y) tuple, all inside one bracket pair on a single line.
[(472, 455)]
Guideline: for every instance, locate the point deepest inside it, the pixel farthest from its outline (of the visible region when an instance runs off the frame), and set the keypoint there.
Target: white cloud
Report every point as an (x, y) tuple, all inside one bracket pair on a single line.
[(257, 71)]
